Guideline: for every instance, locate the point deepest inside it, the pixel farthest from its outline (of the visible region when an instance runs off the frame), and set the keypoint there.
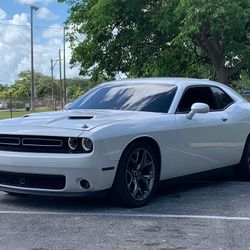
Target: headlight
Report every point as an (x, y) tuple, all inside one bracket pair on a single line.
[(80, 145), (87, 145), (73, 143)]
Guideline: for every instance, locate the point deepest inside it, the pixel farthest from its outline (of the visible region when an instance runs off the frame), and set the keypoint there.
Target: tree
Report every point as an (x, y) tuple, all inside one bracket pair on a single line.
[(21, 89), (120, 36), (160, 37), (4, 91), (221, 29), (76, 87)]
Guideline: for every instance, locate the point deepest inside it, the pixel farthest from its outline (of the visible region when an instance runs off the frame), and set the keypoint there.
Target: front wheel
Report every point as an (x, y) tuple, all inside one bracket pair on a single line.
[(243, 169), (137, 176)]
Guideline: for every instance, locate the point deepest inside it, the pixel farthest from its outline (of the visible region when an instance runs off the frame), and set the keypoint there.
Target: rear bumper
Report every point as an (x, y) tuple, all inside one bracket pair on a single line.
[(75, 168)]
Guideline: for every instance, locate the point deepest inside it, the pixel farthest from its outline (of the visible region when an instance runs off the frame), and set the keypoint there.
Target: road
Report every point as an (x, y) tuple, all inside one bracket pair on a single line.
[(207, 214)]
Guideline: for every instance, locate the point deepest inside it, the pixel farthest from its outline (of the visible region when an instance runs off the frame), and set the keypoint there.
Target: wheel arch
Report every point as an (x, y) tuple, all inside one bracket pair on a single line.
[(117, 192), (245, 142), (152, 142)]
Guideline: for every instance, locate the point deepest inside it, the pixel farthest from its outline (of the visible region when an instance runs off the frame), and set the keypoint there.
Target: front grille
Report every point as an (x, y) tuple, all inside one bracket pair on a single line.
[(9, 141), (53, 182), (38, 144)]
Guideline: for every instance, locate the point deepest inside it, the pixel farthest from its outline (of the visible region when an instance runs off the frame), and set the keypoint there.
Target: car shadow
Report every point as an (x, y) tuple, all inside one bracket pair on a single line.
[(164, 194), (184, 186)]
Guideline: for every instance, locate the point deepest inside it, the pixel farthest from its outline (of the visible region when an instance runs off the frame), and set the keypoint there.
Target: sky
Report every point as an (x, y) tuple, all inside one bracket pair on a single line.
[(15, 37)]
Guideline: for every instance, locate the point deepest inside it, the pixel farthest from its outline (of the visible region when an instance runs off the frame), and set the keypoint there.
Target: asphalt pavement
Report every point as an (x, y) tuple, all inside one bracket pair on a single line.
[(211, 213)]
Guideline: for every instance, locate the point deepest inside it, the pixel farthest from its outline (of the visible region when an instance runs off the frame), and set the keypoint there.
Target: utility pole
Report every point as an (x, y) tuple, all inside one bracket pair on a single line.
[(32, 8), (52, 66), (52, 84), (60, 74), (64, 66)]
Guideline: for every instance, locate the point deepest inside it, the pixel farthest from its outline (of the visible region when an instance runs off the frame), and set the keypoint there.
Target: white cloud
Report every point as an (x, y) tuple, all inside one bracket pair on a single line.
[(2, 14), (13, 45), (45, 13), (46, 2), (54, 31), (19, 19), (28, 1), (15, 48)]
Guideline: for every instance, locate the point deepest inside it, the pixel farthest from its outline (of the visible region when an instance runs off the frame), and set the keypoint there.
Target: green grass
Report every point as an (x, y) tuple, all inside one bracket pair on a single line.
[(7, 114)]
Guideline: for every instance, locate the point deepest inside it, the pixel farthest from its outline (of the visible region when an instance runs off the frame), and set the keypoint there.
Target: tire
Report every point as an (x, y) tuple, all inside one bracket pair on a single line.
[(243, 169), (137, 176)]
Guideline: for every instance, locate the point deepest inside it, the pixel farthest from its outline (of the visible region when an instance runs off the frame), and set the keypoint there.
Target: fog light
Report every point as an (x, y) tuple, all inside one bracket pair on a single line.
[(84, 184), (73, 143)]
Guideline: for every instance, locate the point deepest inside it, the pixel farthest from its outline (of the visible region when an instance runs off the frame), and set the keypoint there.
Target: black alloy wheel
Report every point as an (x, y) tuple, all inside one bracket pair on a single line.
[(137, 176)]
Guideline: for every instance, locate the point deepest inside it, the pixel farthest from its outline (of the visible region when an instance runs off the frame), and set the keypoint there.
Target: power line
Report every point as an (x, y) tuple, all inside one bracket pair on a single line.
[(14, 25), (48, 27), (28, 26), (11, 45), (1, 80)]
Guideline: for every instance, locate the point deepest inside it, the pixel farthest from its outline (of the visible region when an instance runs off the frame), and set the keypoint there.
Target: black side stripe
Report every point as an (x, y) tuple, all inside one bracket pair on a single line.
[(107, 169)]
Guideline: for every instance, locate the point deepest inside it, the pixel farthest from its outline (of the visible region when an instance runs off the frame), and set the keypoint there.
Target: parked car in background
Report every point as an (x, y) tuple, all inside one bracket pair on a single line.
[(3, 105), (125, 137)]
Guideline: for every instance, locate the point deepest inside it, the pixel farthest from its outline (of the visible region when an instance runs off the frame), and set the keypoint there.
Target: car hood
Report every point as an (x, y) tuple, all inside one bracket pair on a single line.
[(78, 120)]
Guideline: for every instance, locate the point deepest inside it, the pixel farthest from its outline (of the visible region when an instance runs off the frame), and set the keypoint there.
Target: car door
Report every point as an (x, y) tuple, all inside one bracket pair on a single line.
[(206, 141)]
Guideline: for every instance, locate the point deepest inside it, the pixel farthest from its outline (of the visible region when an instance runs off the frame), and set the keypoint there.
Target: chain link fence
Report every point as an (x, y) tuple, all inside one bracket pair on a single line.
[(17, 107)]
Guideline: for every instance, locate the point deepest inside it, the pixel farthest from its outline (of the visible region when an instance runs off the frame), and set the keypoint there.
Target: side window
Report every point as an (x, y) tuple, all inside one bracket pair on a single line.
[(160, 103), (223, 99), (197, 94)]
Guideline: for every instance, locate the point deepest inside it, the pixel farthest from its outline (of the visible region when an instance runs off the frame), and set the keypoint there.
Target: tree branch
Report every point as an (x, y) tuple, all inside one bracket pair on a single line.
[(234, 70), (213, 49)]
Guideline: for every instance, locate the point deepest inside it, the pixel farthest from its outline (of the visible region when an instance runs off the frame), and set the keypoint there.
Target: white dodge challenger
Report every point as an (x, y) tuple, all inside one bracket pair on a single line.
[(126, 136)]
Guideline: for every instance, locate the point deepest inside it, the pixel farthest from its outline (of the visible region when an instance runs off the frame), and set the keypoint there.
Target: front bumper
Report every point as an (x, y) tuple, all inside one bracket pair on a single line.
[(99, 171)]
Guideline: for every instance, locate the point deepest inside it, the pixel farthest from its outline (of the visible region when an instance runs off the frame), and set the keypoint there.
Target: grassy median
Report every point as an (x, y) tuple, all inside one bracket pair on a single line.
[(7, 114)]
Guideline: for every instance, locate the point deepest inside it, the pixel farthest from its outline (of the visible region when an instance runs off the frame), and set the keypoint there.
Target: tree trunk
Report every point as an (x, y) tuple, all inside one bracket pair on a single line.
[(215, 49), (223, 75)]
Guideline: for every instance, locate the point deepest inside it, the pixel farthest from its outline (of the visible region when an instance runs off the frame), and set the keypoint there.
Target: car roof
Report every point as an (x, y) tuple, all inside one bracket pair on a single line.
[(178, 81)]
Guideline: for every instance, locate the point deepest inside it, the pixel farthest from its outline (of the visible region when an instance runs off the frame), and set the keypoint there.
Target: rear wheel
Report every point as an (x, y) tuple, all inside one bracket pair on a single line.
[(243, 169), (137, 176)]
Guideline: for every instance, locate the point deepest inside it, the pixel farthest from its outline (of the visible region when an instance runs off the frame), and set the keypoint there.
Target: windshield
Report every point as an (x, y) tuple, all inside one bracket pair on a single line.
[(137, 97)]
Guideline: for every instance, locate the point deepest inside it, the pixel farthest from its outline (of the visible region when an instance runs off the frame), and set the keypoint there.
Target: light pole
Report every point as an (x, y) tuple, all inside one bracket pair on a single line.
[(60, 78), (32, 8), (64, 66)]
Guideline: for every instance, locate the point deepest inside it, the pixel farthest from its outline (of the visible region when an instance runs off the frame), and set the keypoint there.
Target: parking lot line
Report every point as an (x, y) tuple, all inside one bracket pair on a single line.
[(130, 215), (223, 182)]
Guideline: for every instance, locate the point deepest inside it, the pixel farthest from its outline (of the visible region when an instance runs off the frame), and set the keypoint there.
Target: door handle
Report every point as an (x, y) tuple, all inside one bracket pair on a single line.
[(224, 119)]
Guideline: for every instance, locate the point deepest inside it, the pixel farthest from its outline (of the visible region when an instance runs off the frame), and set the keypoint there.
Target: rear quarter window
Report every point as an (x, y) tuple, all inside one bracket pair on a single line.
[(222, 98)]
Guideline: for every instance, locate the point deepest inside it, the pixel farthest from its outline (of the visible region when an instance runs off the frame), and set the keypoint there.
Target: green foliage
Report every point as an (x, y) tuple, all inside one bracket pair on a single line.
[(243, 82), (121, 36), (21, 89), (221, 29), (160, 37), (76, 87)]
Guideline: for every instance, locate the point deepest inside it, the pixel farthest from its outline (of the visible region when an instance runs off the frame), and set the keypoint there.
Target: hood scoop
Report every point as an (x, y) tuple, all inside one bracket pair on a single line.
[(80, 117)]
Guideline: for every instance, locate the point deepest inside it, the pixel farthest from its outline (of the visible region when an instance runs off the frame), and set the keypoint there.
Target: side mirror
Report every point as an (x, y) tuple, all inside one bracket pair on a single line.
[(67, 106), (199, 108)]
